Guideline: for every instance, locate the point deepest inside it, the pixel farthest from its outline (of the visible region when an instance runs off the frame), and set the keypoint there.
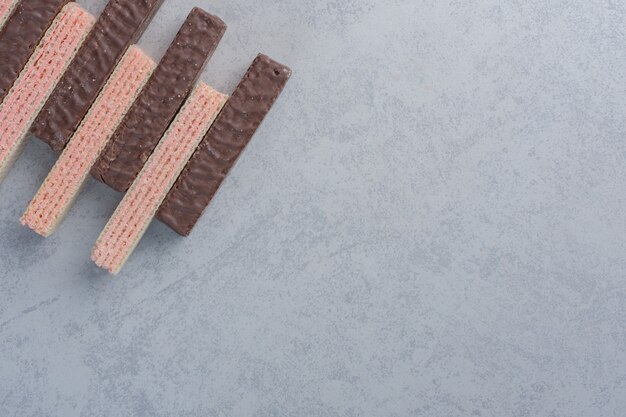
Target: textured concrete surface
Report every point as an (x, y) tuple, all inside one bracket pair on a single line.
[(430, 223)]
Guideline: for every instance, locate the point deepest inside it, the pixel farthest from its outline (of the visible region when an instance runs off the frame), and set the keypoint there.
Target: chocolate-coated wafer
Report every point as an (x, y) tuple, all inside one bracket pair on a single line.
[(39, 77), (64, 182), (121, 23), (136, 211), (146, 122), (20, 36), (6, 8), (220, 148)]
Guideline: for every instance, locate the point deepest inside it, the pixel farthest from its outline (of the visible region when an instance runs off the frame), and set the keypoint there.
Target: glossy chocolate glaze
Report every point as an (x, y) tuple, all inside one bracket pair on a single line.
[(148, 119), (121, 23), (221, 147), (21, 35)]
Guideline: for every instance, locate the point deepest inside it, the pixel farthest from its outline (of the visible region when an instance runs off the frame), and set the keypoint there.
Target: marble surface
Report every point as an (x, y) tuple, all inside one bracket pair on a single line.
[(430, 223)]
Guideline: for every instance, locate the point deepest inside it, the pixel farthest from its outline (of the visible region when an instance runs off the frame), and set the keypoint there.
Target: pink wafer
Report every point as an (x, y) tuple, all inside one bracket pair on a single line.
[(134, 214), (38, 79), (6, 8), (64, 182)]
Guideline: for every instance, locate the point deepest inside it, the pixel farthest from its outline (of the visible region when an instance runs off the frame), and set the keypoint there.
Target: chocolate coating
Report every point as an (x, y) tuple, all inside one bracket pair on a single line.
[(121, 23), (223, 144), (151, 114), (21, 35)]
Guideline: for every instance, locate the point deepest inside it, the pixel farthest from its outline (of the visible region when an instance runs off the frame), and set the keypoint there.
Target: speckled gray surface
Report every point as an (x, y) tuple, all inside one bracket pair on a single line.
[(430, 223)]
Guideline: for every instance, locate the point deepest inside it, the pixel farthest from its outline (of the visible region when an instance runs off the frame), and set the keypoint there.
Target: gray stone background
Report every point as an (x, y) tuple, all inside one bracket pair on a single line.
[(430, 223)]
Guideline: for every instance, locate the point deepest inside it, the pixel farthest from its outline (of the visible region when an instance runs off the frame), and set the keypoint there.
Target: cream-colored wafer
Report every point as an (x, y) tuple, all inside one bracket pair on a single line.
[(64, 182), (134, 214), (37, 80)]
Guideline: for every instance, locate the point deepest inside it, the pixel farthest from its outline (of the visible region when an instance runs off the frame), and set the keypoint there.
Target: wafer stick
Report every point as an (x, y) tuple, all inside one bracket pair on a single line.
[(156, 106), (234, 127), (120, 25), (38, 79), (134, 214), (21, 34), (64, 182)]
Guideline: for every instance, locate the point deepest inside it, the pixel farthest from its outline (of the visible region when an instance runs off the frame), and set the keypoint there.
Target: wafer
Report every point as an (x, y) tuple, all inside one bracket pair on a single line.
[(21, 34), (120, 24), (138, 207), (156, 106), (230, 134), (38, 79), (65, 180)]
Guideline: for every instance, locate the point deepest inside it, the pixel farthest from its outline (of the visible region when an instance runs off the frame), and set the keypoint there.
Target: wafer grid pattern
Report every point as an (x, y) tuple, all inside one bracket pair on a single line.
[(67, 177), (38, 78), (134, 214)]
